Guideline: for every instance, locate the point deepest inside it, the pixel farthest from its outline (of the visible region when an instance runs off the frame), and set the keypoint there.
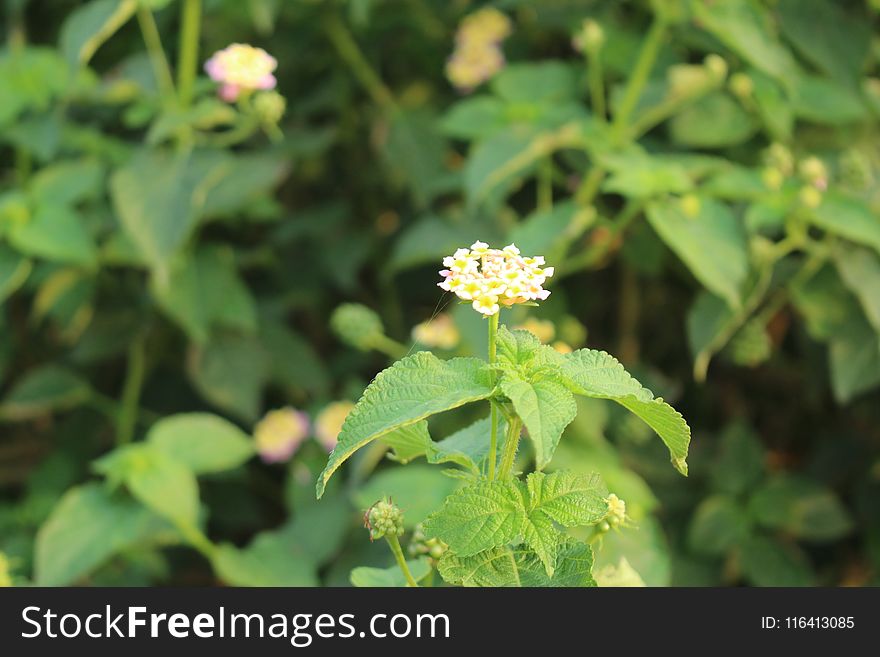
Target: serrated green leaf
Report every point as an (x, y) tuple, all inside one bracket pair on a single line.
[(546, 408), (712, 244), (479, 517), (203, 442), (467, 447), (409, 391), (597, 374), (801, 507), (390, 577), (408, 443), (572, 500)]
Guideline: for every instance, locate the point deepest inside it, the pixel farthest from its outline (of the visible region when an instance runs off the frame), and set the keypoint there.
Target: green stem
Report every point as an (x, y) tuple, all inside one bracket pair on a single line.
[(596, 82), (156, 53), (187, 65), (349, 50), (394, 544), (639, 77), (511, 445), (390, 347), (545, 184), (131, 391), (493, 429)]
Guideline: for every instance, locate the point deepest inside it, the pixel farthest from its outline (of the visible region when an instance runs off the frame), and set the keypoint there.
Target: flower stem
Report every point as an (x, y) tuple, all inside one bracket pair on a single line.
[(349, 50), (394, 544), (131, 392), (597, 87), (156, 53), (190, 19), (639, 77), (511, 445), (493, 430)]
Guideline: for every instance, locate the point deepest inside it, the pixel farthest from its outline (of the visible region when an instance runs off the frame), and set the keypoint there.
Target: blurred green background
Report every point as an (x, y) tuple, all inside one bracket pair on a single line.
[(173, 268)]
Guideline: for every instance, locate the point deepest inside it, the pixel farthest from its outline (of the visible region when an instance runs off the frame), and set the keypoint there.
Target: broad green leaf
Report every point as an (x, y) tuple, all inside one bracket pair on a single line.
[(430, 238), (712, 243), (597, 374), (859, 270), (474, 118), (230, 371), (390, 577), (419, 490), (408, 443), (206, 291), (415, 150), (572, 500), (768, 562), (800, 507), (321, 528), (88, 526), (742, 26), (203, 442), (14, 270), (773, 105), (547, 231), (205, 114), (826, 102), (409, 391), (740, 463), (271, 559), (166, 486), (30, 78), (506, 567), (547, 81), (714, 121), (638, 175), (55, 232), (826, 305), (68, 182), (288, 346), (718, 525), (479, 517), (854, 356), (467, 447), (43, 390), (90, 25), (158, 197), (708, 318), (835, 40), (546, 408)]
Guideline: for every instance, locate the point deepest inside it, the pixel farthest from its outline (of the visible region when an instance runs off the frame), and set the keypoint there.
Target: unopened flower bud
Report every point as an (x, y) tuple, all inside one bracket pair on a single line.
[(616, 510), (741, 85), (814, 171), (384, 518), (357, 326), (779, 156), (810, 197), (590, 37), (717, 67), (772, 178), (269, 106), (690, 206)]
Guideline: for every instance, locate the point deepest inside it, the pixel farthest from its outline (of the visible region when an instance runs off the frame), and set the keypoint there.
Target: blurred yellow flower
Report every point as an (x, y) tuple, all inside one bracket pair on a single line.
[(562, 347), (328, 423), (477, 56), (280, 433), (484, 26), (240, 68), (439, 332)]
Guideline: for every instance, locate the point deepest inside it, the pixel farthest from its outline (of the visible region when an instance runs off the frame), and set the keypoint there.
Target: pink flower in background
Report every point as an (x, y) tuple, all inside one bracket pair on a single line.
[(280, 433), (241, 68), (329, 423)]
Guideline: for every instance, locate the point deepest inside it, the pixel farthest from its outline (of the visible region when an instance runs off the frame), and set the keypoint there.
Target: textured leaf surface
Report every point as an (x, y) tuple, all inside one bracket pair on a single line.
[(390, 577), (597, 374), (546, 407), (409, 391)]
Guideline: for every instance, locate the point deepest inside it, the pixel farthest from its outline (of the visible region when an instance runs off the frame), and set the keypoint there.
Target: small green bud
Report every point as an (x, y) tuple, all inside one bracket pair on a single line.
[(590, 38), (741, 86), (384, 518), (690, 206), (780, 157), (357, 326), (269, 106), (616, 510), (717, 67), (814, 171), (421, 545), (772, 178), (810, 197)]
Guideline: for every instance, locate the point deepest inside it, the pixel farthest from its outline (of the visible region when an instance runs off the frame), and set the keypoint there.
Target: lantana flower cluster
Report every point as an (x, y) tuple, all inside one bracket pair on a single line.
[(241, 68), (477, 56), (281, 432), (491, 278)]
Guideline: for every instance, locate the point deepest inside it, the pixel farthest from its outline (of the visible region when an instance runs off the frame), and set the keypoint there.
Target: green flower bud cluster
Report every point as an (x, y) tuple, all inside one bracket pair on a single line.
[(590, 37), (421, 545), (269, 106), (741, 85), (717, 67), (357, 326), (751, 345), (384, 518)]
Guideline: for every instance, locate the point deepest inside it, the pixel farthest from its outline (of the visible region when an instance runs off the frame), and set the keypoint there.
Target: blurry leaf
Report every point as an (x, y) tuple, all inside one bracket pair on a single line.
[(416, 151), (824, 101), (836, 40), (239, 181), (271, 559), (547, 81), (408, 443), (825, 304), (43, 390), (295, 364), (637, 175), (718, 525), (89, 525), (714, 121), (411, 390), (547, 232), (739, 465), (320, 529), (390, 577), (68, 182), (767, 562), (29, 79), (854, 354), (88, 26), (203, 442), (473, 118), (56, 233), (205, 292), (158, 197), (205, 114), (848, 217), (67, 298), (14, 270), (859, 270), (712, 244), (620, 575), (645, 549), (735, 183), (744, 27), (773, 105), (800, 507), (496, 164), (417, 489), (430, 238), (230, 372)]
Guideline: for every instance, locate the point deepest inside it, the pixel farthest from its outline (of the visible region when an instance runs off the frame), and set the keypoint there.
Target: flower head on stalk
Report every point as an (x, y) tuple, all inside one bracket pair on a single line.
[(241, 68), (492, 278), (477, 56), (280, 433)]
